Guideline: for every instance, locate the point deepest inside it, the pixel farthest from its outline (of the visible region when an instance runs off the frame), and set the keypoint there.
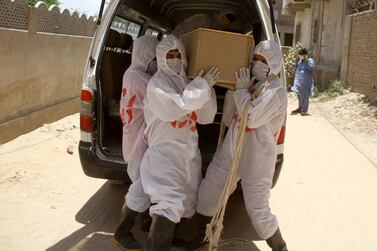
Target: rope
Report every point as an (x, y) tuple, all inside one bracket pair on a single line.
[(216, 226), (214, 229), (222, 134)]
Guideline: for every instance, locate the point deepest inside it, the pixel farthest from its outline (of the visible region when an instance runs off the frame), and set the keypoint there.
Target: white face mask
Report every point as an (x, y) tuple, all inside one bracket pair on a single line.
[(175, 65), (152, 67), (301, 57), (260, 70)]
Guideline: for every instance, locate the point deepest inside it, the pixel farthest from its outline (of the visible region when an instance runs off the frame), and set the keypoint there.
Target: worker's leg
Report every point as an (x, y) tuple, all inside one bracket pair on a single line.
[(298, 110), (256, 181), (136, 199), (300, 97), (213, 184), (210, 191), (136, 202), (172, 184), (305, 99)]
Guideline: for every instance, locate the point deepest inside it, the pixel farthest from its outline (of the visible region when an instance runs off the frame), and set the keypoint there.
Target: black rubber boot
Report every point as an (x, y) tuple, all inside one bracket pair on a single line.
[(161, 234), (146, 221), (198, 240), (276, 242), (123, 236)]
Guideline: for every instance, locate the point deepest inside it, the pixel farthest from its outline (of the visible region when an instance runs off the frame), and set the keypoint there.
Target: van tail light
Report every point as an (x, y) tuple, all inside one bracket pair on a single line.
[(86, 124), (87, 114), (86, 95), (281, 138)]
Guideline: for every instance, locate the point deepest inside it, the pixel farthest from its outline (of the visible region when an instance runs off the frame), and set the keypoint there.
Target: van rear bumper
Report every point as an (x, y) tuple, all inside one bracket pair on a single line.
[(97, 168)]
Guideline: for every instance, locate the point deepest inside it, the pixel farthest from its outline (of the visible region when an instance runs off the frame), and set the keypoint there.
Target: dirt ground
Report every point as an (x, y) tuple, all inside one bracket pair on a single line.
[(355, 117), (325, 199), (352, 112)]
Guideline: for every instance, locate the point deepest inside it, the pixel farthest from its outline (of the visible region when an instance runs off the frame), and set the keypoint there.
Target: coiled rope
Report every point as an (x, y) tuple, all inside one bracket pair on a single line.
[(216, 226)]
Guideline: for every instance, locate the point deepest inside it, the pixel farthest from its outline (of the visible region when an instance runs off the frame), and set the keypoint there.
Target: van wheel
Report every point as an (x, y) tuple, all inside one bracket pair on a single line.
[(119, 182)]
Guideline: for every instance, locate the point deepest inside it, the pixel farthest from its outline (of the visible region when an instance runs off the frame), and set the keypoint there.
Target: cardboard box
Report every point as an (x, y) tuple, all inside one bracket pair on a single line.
[(228, 51)]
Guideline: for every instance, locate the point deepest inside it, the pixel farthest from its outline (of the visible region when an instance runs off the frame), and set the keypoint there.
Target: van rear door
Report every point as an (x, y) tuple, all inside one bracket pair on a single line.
[(266, 13)]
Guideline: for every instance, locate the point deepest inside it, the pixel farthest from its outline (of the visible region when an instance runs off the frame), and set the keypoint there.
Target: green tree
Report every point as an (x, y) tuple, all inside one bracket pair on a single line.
[(48, 2), (290, 61)]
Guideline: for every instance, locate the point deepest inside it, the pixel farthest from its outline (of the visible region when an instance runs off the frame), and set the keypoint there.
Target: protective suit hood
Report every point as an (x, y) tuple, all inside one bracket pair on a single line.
[(144, 51), (167, 44), (271, 51)]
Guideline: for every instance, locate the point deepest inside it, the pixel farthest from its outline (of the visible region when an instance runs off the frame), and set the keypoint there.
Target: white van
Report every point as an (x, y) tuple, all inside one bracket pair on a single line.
[(123, 21)]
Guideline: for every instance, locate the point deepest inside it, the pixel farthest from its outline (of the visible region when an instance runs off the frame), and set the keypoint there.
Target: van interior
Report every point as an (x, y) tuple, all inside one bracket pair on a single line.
[(135, 18)]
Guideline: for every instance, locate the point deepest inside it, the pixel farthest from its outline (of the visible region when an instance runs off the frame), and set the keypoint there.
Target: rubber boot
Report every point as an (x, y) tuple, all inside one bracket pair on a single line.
[(160, 234), (123, 236), (198, 240), (276, 242), (146, 221)]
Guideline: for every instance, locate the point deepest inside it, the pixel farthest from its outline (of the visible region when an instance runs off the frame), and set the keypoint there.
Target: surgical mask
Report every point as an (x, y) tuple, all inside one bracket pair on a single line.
[(152, 67), (260, 70), (175, 65), (301, 57)]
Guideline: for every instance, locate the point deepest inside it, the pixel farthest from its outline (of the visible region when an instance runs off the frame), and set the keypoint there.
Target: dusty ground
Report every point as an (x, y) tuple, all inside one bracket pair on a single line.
[(352, 112), (325, 199), (355, 117)]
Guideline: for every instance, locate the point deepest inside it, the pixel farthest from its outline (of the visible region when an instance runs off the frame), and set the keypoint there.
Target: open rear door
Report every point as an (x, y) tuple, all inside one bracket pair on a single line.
[(266, 12), (100, 13)]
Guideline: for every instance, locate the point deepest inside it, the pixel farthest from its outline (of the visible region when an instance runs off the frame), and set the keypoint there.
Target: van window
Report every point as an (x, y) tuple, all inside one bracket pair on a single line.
[(152, 33), (124, 26)]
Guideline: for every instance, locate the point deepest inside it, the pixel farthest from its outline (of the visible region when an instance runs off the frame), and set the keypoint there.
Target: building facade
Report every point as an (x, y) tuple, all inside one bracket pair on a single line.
[(285, 24), (319, 25)]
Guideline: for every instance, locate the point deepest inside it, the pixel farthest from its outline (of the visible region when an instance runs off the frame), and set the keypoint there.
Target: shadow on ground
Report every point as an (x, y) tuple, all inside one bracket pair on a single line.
[(101, 215)]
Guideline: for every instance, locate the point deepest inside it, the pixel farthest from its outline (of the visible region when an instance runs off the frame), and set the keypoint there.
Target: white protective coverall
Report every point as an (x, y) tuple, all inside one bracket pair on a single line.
[(257, 164), (134, 88), (171, 166), (192, 23)]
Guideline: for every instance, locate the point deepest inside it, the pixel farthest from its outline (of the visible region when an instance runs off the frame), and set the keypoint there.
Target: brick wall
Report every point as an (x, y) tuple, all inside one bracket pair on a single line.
[(360, 69)]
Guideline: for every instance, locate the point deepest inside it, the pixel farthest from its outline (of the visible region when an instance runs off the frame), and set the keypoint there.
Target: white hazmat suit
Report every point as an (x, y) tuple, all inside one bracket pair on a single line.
[(257, 164), (192, 23), (171, 166), (134, 88)]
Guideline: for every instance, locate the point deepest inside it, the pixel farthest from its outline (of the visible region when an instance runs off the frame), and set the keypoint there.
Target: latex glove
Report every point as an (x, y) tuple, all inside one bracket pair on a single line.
[(211, 77), (229, 108), (243, 80)]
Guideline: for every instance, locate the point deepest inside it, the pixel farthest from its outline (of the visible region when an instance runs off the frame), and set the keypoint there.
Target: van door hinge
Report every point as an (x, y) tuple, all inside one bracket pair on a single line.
[(92, 62)]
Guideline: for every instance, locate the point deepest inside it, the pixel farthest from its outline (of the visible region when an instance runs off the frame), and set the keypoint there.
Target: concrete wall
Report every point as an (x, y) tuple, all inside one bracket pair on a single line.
[(40, 79), (303, 18), (284, 23), (327, 42), (359, 65)]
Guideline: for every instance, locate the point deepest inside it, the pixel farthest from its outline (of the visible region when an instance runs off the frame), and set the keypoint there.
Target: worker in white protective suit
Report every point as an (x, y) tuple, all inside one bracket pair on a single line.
[(192, 23), (224, 20), (134, 88), (171, 166), (266, 117)]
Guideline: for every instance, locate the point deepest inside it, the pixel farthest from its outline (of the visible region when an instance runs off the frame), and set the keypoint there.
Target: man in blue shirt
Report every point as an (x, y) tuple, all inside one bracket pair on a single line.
[(304, 83)]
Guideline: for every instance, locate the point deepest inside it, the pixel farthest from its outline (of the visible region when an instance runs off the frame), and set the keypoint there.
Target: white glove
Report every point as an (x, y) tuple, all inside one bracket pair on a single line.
[(229, 108), (211, 77), (243, 80)]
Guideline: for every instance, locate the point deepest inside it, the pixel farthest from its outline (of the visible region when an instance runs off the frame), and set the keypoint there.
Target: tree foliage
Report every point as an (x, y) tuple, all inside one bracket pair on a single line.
[(290, 61), (48, 2)]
